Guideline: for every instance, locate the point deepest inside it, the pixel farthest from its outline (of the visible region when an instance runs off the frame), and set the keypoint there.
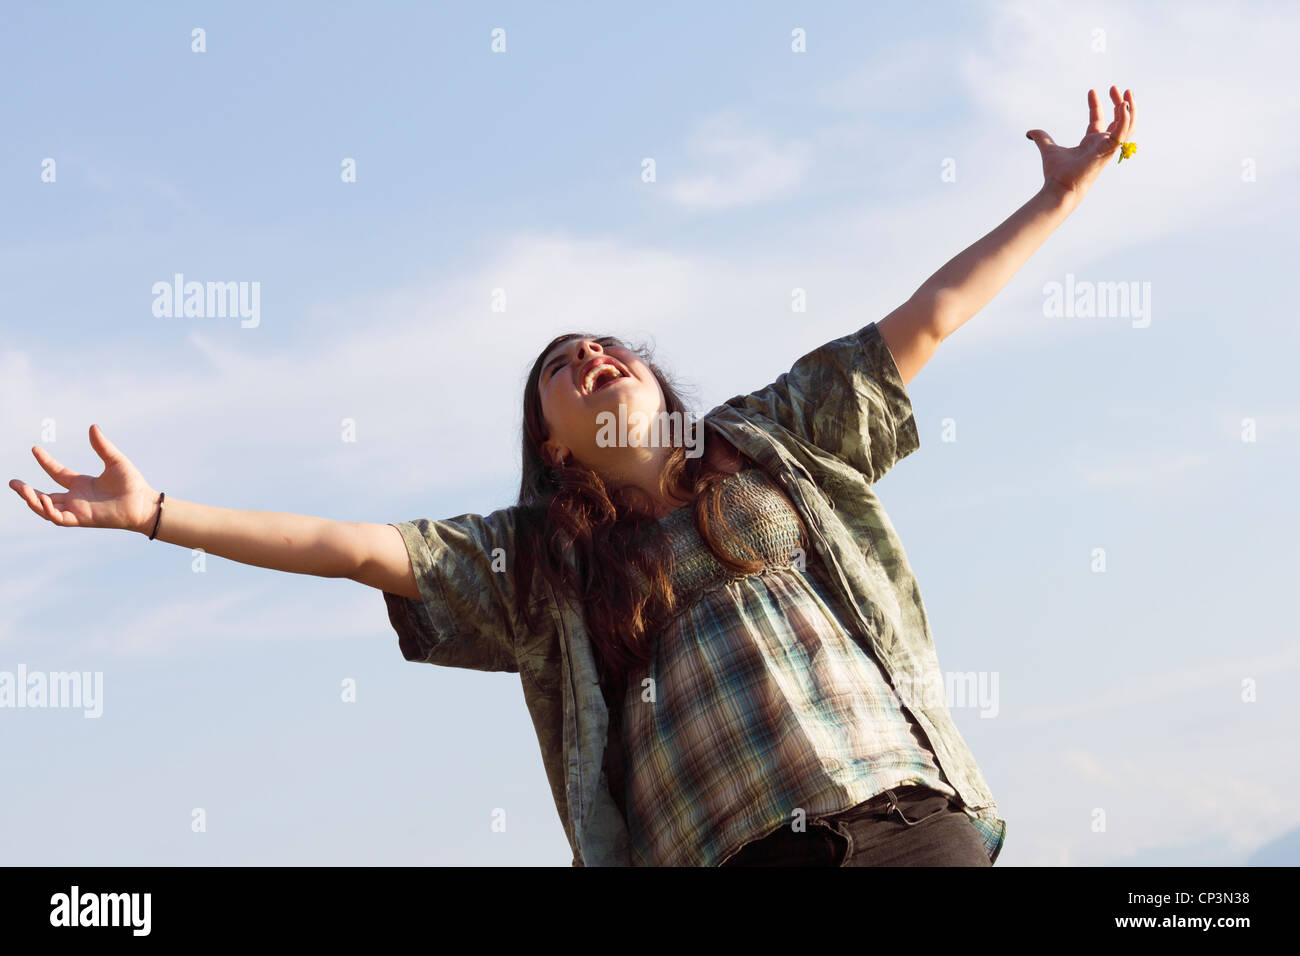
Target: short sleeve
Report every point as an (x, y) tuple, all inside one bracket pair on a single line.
[(466, 616), (846, 397)]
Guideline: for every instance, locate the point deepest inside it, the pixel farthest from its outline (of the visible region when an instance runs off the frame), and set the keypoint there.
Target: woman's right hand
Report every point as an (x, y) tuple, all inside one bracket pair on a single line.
[(119, 498)]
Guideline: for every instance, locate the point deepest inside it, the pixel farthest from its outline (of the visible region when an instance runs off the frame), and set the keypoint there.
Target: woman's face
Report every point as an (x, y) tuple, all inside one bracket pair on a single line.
[(576, 388)]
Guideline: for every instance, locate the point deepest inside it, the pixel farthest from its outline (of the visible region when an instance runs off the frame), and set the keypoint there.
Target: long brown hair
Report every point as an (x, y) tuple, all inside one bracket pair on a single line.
[(600, 544)]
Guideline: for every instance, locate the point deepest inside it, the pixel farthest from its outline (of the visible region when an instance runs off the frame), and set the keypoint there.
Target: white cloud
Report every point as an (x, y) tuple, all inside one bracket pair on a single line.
[(1030, 67), (21, 595), (409, 374), (172, 193), (741, 167), (1171, 758), (256, 613), (1198, 116), (1165, 797), (1149, 469), (1148, 689)]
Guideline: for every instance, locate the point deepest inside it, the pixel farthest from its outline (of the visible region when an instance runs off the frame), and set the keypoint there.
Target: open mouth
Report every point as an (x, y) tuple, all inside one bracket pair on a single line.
[(602, 376)]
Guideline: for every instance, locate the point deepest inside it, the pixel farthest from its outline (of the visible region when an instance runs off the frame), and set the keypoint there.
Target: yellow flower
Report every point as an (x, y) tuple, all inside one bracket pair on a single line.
[(1126, 150)]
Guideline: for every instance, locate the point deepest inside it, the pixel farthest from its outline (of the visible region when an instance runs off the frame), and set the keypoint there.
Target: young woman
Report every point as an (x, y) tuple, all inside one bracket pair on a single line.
[(725, 654)]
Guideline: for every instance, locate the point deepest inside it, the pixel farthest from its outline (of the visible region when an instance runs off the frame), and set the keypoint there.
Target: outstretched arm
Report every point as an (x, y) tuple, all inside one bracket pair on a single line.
[(968, 281), (120, 498)]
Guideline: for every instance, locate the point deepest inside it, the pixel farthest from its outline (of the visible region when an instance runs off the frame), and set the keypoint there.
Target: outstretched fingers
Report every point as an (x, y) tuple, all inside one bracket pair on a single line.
[(1094, 113), (103, 447), (63, 475), (1120, 124), (48, 509), (64, 519), (38, 501), (1040, 137)]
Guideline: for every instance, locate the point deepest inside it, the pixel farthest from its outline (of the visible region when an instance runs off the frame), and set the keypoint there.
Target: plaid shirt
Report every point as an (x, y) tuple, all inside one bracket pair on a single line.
[(826, 431), (759, 702)]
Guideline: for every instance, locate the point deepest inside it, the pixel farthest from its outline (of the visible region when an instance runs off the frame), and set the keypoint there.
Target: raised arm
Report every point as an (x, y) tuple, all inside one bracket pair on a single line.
[(120, 498), (968, 281)]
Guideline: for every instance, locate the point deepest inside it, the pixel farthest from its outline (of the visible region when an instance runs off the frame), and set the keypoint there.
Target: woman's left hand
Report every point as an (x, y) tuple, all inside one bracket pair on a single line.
[(1071, 170)]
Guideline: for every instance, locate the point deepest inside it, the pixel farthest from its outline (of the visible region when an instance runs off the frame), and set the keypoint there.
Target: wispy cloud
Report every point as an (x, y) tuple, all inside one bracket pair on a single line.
[(1190, 172), (171, 193), (1147, 469), (1149, 689), (19, 596), (1030, 66), (1157, 800), (739, 167), (256, 613)]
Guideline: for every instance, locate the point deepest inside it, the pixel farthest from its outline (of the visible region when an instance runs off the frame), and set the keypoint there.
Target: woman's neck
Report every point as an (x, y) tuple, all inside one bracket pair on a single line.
[(644, 471), (719, 455)]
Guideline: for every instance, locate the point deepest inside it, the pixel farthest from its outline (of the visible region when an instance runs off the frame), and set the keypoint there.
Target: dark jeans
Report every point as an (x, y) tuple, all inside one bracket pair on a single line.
[(904, 826)]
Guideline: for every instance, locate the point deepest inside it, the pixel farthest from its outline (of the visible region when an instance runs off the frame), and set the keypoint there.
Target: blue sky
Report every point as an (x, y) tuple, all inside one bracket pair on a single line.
[(521, 171)]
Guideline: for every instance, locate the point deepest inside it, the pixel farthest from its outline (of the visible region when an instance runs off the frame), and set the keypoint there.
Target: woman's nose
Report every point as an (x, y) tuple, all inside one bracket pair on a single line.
[(589, 348)]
